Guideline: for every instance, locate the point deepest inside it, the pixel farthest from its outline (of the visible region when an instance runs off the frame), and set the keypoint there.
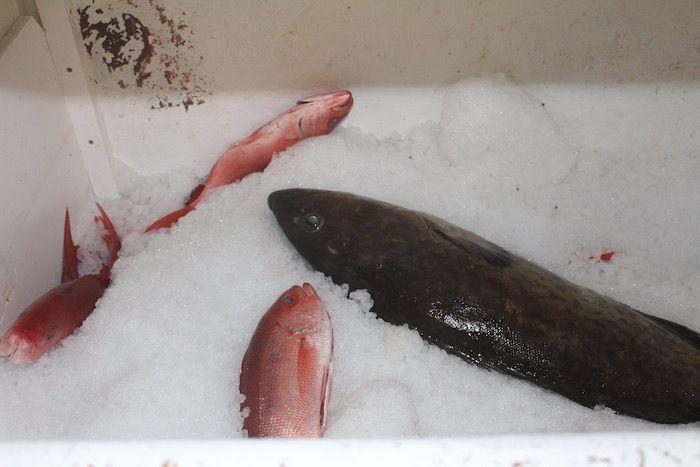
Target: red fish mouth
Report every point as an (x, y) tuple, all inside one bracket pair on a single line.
[(302, 291), (17, 346), (343, 100), (308, 290)]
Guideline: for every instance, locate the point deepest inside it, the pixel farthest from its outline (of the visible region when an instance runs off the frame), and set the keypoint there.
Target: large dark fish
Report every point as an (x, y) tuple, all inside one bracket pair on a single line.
[(492, 308)]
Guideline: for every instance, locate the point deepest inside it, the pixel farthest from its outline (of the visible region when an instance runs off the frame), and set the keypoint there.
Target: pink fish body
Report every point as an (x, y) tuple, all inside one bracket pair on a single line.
[(311, 116), (56, 314), (286, 371)]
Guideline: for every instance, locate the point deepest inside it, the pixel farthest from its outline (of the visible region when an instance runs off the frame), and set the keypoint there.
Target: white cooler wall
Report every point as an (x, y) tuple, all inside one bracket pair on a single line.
[(9, 11), (178, 89), (41, 170)]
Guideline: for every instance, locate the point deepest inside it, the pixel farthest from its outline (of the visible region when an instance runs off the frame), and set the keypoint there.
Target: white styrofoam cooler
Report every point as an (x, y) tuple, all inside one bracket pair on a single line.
[(67, 122)]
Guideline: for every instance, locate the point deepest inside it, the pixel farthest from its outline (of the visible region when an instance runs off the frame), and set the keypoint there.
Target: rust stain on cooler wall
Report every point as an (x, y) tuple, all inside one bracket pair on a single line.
[(139, 44)]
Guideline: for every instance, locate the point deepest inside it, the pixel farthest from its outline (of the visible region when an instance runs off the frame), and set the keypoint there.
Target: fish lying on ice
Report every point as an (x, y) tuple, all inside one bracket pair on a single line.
[(311, 116), (495, 309), (285, 375), (60, 311)]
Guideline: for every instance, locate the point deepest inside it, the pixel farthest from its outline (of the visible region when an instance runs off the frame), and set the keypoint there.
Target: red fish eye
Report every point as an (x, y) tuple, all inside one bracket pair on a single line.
[(288, 299), (335, 120)]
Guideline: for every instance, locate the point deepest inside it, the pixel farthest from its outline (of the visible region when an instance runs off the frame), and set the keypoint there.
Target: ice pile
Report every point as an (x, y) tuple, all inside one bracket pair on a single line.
[(160, 356)]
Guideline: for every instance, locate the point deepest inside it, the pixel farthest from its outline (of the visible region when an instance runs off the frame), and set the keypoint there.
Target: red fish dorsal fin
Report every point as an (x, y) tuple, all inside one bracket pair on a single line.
[(171, 218), (111, 239), (195, 194), (70, 254)]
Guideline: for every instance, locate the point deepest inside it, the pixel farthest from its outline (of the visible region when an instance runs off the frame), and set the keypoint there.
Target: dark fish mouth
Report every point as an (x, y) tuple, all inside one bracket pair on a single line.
[(276, 200), (281, 204), (283, 199), (289, 202)]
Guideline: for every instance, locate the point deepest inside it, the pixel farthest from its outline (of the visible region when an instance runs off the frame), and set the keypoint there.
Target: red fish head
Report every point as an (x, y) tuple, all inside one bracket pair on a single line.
[(18, 347), (300, 311), (320, 114)]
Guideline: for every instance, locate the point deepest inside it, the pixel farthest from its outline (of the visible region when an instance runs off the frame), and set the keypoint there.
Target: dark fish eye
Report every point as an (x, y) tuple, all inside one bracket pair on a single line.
[(335, 120), (288, 299), (311, 223)]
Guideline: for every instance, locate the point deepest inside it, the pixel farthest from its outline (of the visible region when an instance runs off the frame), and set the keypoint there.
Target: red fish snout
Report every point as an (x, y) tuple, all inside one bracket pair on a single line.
[(342, 102), (335, 100), (308, 290), (342, 98), (17, 346)]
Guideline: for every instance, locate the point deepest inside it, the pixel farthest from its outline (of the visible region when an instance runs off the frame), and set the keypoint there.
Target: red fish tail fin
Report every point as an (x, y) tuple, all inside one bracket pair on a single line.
[(70, 253), (170, 219), (111, 239)]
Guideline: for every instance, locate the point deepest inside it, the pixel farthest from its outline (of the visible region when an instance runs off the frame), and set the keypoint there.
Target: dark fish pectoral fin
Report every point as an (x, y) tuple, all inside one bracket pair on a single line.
[(494, 257), (489, 252), (688, 335)]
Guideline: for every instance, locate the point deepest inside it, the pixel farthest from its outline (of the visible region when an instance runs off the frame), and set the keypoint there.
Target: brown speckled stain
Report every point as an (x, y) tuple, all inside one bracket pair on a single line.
[(113, 36), (175, 36), (129, 35), (170, 76)]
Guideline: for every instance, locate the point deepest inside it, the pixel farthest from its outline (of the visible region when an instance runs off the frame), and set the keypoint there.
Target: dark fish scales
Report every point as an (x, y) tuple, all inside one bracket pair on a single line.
[(492, 308)]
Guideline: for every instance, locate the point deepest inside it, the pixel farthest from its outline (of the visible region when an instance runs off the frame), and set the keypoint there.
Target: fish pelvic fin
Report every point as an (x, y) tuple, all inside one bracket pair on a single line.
[(111, 239), (325, 396), (170, 219), (70, 253)]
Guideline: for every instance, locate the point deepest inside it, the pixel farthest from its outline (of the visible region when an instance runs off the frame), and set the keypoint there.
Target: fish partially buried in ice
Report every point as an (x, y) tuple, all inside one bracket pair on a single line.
[(311, 116), (56, 314), (495, 309), (285, 375)]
